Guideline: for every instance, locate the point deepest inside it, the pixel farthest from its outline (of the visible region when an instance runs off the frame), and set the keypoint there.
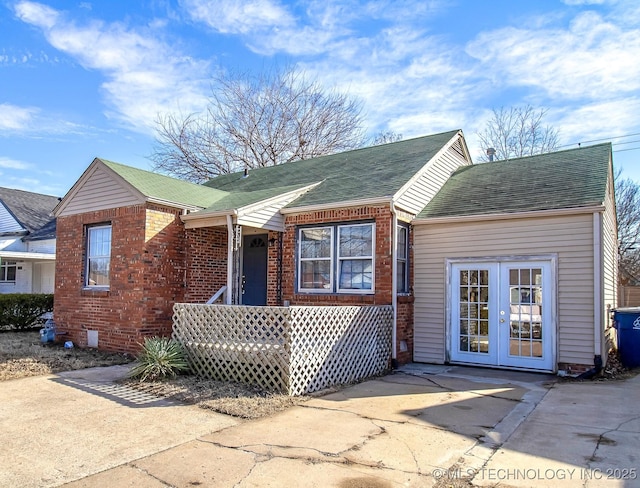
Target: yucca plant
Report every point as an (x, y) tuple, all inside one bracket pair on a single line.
[(160, 357)]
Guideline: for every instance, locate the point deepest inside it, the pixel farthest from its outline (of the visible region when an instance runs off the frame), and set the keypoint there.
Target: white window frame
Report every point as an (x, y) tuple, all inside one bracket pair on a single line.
[(303, 259), (335, 260), (89, 256), (371, 257), (403, 288), (4, 271)]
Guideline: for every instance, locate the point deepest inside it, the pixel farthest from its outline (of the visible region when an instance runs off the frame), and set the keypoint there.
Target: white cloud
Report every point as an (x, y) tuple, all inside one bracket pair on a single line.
[(9, 163), (591, 58), (145, 75), (14, 118), (232, 17)]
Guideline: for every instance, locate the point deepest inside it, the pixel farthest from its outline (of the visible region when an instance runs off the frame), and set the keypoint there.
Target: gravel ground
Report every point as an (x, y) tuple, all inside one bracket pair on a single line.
[(22, 354)]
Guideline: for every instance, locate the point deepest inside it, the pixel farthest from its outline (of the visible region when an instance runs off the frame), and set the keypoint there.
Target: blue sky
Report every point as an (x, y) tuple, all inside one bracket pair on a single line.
[(80, 80)]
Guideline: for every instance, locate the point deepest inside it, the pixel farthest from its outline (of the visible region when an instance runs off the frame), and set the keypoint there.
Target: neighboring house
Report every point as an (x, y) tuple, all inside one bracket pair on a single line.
[(519, 260), (27, 242), (336, 230)]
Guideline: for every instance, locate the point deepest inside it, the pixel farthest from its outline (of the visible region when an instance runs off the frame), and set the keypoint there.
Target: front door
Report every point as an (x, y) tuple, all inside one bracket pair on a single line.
[(254, 270), (501, 314)]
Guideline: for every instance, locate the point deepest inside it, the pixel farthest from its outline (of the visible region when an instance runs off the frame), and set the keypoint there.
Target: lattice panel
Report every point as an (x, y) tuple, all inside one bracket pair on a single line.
[(236, 343), (337, 345), (296, 350)]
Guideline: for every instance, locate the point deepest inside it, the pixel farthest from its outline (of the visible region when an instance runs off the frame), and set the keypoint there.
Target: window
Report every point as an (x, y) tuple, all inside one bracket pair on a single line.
[(98, 255), (316, 254), (402, 264), (345, 266), (8, 271)]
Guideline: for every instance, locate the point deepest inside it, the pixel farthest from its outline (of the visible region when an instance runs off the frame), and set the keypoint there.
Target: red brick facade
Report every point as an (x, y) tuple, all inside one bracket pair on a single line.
[(383, 219), (206, 263), (147, 270), (155, 262)]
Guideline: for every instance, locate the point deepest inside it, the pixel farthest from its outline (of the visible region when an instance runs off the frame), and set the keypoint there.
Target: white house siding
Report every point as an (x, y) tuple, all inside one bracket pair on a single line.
[(570, 237), (610, 265), (100, 191), (43, 277), (268, 217), (418, 193), (7, 222), (13, 244), (45, 246)]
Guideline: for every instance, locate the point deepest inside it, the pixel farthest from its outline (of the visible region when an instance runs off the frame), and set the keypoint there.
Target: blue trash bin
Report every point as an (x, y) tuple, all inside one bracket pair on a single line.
[(627, 323)]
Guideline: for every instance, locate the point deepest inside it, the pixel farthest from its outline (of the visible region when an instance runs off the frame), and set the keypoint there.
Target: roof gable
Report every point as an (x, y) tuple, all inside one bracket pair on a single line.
[(106, 184), (31, 211), (565, 179), (164, 188), (367, 173)]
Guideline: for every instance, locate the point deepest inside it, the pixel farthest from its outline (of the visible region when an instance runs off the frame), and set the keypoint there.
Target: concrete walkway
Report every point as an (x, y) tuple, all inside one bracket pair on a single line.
[(421, 426)]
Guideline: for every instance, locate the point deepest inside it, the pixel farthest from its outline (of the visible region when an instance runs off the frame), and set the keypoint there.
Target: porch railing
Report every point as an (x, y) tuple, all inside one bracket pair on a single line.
[(295, 349)]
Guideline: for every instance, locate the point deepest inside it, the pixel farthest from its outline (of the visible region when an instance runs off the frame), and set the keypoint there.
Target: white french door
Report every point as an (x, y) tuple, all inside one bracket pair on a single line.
[(501, 314)]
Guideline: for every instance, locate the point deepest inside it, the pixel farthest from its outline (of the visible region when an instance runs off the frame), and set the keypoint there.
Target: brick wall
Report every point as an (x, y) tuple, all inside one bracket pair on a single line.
[(206, 263), (147, 270), (383, 219)]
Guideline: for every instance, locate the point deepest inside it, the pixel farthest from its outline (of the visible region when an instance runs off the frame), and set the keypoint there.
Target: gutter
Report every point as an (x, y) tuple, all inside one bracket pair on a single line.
[(27, 256), (394, 284), (511, 215), (230, 235)]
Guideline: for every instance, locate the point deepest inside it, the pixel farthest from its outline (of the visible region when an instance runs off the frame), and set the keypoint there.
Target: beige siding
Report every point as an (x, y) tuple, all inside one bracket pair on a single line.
[(569, 237), (609, 265), (99, 189), (268, 217), (419, 192)]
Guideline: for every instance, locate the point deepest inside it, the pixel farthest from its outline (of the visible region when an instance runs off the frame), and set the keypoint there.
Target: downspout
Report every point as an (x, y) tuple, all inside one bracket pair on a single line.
[(597, 298), (394, 284), (230, 235)]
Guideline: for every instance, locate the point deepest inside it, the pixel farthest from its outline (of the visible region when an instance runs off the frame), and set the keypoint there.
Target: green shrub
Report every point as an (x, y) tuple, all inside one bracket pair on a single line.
[(22, 310), (160, 357)]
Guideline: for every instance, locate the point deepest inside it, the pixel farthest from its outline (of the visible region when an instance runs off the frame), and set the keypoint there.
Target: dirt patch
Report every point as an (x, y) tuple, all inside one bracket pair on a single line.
[(22, 354), (236, 399)]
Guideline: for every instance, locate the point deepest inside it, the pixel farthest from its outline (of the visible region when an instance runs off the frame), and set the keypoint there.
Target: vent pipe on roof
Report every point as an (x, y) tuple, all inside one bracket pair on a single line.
[(246, 171), (491, 152)]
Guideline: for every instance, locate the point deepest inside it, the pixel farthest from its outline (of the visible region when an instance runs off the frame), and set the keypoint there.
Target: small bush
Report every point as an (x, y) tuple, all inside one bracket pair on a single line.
[(22, 310), (160, 357)]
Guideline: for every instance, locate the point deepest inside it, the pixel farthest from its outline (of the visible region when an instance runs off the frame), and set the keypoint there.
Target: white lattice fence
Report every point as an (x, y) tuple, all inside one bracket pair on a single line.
[(337, 345), (236, 343), (296, 350)]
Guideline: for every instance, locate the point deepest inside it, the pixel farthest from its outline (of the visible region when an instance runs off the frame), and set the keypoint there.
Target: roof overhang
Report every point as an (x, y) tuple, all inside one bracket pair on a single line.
[(509, 215), (27, 256), (337, 205)]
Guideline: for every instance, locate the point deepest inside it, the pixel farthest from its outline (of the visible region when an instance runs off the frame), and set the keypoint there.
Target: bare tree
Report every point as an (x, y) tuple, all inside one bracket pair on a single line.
[(628, 215), (517, 132), (255, 121), (385, 137)]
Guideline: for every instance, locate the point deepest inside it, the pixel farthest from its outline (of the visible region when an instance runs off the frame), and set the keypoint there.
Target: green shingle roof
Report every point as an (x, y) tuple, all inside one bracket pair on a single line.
[(564, 179), (161, 187), (371, 172)]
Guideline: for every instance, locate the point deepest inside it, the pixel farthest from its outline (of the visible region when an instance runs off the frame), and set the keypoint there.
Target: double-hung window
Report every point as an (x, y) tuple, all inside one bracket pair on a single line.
[(402, 259), (8, 270), (336, 258), (98, 255)]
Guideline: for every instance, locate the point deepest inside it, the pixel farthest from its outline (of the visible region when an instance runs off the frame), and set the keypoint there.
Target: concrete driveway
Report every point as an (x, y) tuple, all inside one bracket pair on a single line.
[(421, 426)]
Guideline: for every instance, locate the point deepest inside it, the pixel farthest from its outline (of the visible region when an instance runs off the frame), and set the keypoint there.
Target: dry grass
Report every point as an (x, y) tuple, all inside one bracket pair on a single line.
[(236, 399), (22, 355)]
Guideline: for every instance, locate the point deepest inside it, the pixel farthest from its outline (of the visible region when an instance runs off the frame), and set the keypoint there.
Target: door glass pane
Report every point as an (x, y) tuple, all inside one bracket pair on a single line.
[(525, 312), (474, 311)]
